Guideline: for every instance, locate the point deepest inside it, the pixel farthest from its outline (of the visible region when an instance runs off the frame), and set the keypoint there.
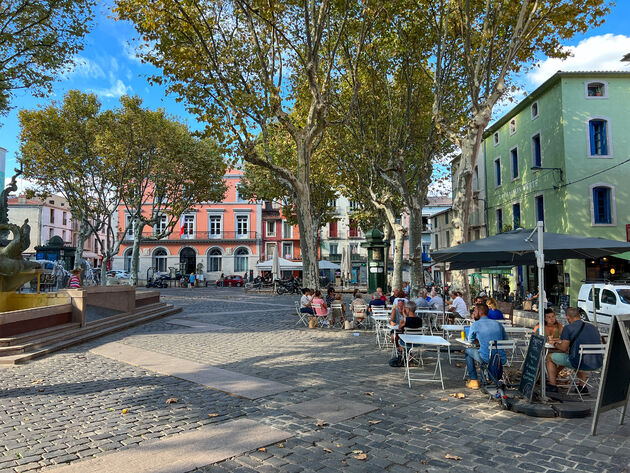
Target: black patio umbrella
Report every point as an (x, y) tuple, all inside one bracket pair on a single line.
[(513, 249)]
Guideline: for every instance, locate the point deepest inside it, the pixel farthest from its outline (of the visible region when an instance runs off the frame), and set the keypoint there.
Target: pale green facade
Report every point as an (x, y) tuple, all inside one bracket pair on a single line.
[(564, 109)]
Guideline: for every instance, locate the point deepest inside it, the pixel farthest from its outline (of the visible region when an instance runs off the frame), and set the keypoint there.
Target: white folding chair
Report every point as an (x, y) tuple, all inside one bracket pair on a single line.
[(415, 351), (508, 346), (505, 322), (322, 320), (303, 317), (337, 306), (585, 349), (360, 312)]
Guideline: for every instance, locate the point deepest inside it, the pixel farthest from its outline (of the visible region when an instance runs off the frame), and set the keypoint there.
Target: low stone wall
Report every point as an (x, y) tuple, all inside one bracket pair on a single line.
[(146, 298), (37, 318), (11, 301)]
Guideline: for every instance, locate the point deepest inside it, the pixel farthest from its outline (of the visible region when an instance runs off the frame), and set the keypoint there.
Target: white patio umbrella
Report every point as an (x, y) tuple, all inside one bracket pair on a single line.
[(346, 265), (275, 264)]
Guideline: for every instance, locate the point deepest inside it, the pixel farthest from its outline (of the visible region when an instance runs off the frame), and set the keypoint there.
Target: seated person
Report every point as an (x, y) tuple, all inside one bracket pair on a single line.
[(383, 297), (338, 310), (458, 307), (409, 321), (306, 301), (576, 333), (437, 302), (484, 331), (553, 328), (397, 315), (330, 296), (398, 294), (406, 289), (320, 307), (494, 313), (376, 302), (356, 305), (421, 301)]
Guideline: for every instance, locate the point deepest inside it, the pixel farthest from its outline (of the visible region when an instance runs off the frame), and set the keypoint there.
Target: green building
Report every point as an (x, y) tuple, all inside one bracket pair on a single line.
[(562, 156)]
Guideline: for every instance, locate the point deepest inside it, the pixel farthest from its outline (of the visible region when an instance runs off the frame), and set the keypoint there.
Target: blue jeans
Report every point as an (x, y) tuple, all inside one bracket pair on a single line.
[(472, 355), (307, 310)]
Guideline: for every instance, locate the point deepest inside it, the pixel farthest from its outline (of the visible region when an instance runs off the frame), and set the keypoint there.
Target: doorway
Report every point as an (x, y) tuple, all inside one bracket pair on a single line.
[(188, 260)]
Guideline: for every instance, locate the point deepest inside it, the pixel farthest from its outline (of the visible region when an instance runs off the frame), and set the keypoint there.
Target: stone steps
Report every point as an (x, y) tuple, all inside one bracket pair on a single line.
[(35, 334), (34, 346)]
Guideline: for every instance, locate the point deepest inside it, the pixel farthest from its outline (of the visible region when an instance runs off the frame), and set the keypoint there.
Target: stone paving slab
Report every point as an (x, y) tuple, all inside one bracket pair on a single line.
[(184, 452), (331, 409), (197, 325), (249, 387)]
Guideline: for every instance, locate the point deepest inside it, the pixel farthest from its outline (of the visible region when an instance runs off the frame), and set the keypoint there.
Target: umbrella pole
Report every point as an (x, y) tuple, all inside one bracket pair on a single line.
[(540, 262)]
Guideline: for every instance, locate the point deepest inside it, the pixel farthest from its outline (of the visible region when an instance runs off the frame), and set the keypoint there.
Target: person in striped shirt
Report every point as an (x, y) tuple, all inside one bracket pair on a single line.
[(75, 279)]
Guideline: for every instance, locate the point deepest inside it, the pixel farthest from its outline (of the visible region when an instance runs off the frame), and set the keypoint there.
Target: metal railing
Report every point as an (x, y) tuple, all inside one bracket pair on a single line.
[(175, 236)]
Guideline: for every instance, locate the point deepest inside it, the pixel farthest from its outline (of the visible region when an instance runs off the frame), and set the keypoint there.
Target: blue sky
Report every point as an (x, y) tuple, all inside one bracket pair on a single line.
[(108, 67)]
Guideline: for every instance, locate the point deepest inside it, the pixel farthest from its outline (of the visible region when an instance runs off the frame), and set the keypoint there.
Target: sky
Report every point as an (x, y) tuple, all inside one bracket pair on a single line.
[(108, 67)]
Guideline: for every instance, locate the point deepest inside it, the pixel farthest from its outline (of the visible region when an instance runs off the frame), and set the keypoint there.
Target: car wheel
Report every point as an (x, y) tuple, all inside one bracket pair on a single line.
[(238, 284), (583, 315)]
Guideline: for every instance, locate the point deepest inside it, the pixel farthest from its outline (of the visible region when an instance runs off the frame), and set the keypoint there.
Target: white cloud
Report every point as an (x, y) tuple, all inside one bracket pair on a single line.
[(84, 67), (597, 53), (115, 90)]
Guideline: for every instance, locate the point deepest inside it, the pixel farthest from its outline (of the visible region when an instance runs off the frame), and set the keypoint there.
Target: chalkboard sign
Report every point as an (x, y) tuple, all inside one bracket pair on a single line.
[(531, 365), (615, 380)]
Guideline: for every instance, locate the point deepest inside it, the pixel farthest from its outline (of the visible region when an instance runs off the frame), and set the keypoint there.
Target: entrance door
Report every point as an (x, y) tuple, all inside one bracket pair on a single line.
[(188, 258)]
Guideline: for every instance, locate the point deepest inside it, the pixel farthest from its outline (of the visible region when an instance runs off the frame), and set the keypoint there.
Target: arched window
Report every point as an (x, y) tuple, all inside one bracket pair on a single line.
[(159, 260), (127, 256), (596, 89), (214, 260), (603, 205), (240, 260)]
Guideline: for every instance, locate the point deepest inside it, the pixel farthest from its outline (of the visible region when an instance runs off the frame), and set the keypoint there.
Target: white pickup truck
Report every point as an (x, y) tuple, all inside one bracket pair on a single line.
[(610, 299)]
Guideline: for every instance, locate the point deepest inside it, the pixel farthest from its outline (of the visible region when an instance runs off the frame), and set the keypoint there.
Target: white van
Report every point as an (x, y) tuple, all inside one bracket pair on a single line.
[(611, 298)]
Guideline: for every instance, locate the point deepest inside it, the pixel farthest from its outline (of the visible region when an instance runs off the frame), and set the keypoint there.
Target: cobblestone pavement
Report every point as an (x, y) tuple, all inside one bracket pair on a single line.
[(69, 406)]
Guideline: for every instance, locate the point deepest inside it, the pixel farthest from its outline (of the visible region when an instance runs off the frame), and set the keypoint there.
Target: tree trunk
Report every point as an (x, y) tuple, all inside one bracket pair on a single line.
[(462, 196), (106, 260), (306, 226), (387, 238), (399, 244), (415, 253), (135, 255), (84, 231)]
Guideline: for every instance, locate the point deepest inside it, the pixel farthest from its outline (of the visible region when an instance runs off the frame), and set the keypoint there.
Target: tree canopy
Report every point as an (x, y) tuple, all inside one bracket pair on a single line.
[(38, 39)]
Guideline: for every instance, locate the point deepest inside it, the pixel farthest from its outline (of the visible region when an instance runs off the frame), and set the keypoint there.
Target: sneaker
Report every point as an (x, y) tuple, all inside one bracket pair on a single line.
[(551, 388), (472, 384), (582, 390)]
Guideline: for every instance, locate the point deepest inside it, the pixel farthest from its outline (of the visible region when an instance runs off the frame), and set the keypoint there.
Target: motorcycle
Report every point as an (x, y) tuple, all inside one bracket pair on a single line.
[(290, 287), (158, 283)]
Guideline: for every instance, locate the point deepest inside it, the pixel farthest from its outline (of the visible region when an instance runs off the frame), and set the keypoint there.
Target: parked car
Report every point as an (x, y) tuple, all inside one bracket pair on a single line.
[(611, 298), (232, 280)]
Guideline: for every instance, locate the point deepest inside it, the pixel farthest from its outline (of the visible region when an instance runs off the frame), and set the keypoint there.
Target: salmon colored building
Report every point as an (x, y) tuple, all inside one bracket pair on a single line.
[(225, 237)]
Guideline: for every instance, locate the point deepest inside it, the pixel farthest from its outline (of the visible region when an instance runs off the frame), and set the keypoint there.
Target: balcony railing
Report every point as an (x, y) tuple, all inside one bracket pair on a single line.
[(194, 236)]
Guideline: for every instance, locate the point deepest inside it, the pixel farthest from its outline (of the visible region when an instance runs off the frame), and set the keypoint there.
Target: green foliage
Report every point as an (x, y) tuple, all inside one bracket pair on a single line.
[(38, 39)]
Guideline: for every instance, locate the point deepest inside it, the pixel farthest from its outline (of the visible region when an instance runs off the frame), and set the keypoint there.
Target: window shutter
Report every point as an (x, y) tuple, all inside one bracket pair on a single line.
[(591, 129), (607, 212), (603, 137), (596, 218)]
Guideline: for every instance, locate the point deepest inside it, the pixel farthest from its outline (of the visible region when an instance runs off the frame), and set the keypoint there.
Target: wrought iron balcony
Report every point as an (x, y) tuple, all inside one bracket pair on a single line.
[(175, 237)]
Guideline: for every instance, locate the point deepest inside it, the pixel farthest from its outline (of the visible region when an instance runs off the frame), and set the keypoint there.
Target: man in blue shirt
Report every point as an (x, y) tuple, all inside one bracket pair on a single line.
[(576, 333), (484, 331)]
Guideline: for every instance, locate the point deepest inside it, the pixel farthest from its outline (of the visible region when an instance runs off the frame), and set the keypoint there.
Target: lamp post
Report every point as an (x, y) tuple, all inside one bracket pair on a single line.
[(540, 263)]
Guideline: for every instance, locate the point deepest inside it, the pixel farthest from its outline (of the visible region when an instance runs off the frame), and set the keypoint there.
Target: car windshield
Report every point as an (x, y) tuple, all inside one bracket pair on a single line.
[(624, 295)]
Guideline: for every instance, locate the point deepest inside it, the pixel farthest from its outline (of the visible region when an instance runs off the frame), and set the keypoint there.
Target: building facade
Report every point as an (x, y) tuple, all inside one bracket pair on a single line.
[(224, 237), (562, 156), (278, 233)]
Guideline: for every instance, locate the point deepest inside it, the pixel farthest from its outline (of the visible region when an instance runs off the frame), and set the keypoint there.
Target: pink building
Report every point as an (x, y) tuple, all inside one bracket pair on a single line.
[(224, 237)]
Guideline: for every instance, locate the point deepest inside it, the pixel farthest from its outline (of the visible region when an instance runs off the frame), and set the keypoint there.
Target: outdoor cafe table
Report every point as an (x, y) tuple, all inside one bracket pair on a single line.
[(427, 312), (380, 327), (448, 329), (412, 341)]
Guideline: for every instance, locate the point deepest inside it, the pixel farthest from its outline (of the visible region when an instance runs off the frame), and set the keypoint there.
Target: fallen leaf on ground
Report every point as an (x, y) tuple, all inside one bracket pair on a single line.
[(343, 462), (357, 451), (444, 399), (427, 429), (424, 462), (375, 421), (280, 445), (421, 395), (369, 393), (459, 365), (360, 456), (453, 395), (171, 400), (338, 445), (213, 415), (262, 449), (327, 450), (37, 381), (321, 423), (448, 456), (461, 396), (125, 411), (40, 390)]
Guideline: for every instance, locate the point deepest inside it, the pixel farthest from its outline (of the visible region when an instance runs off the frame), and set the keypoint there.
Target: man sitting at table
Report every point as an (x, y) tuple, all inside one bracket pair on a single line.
[(421, 301), (458, 307), (437, 302), (576, 333), (376, 302), (484, 331)]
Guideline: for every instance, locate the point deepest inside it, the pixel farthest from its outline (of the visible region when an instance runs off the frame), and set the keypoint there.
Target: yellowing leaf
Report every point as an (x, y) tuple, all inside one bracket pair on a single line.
[(125, 411), (262, 449), (327, 450), (375, 422), (213, 415), (369, 393), (37, 381), (321, 423), (448, 456), (357, 451), (172, 400), (360, 456)]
